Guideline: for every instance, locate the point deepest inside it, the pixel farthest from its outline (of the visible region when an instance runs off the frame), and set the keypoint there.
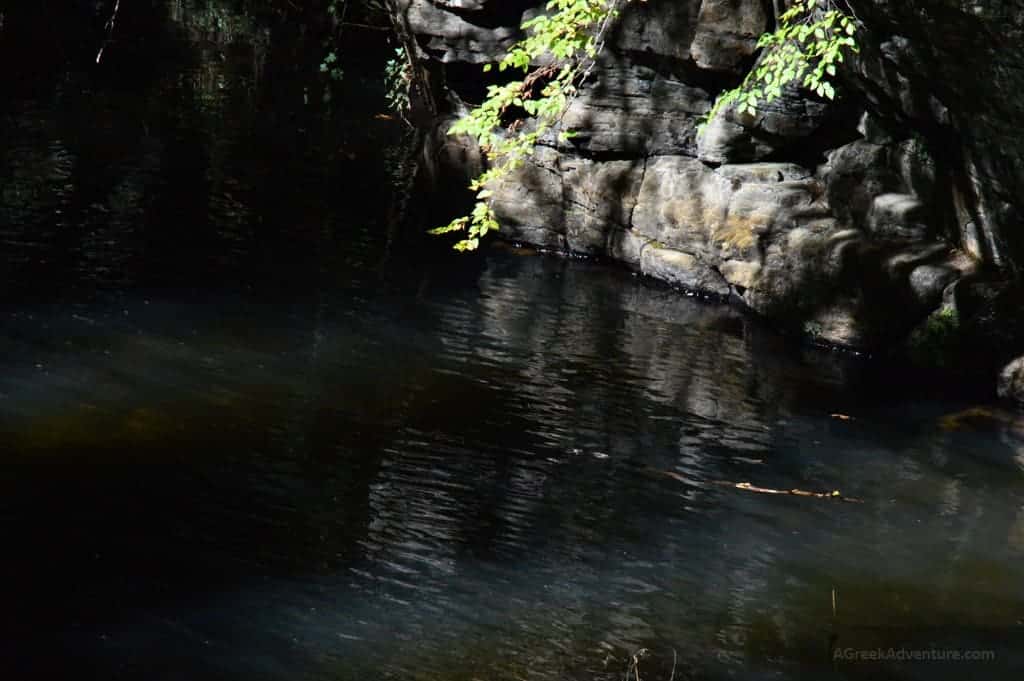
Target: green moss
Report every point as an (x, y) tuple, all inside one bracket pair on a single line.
[(813, 329), (935, 341)]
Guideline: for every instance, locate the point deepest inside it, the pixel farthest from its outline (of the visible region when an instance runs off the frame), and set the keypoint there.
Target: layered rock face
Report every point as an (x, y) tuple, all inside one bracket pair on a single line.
[(855, 221)]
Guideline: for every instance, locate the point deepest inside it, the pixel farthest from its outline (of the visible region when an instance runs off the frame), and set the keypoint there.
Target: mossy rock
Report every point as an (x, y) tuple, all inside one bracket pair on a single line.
[(935, 343)]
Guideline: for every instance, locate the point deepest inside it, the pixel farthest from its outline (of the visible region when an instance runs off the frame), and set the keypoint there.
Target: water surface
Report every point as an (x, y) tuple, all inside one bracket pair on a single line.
[(255, 426)]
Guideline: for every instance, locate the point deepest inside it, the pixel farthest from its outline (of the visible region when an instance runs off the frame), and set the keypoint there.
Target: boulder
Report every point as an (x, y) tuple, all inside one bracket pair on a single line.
[(634, 110), (529, 201), (853, 175), (732, 137), (598, 200), (682, 269), (1010, 385), (727, 33), (448, 37), (896, 215)]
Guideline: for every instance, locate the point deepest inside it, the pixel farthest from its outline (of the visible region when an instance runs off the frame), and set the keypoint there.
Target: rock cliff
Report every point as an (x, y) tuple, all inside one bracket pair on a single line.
[(881, 219)]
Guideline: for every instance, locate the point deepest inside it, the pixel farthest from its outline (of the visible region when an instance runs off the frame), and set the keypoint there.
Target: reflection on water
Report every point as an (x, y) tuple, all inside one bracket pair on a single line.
[(467, 482), (250, 433)]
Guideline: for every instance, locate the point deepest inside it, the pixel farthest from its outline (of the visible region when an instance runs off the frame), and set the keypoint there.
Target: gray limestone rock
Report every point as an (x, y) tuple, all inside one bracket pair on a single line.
[(732, 137), (898, 215), (529, 201), (599, 198), (448, 37), (898, 209), (682, 269), (1010, 385), (634, 110), (727, 33), (853, 175)]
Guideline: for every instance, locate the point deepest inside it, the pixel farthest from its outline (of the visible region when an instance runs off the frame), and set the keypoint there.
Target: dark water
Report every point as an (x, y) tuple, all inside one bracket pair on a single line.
[(254, 428)]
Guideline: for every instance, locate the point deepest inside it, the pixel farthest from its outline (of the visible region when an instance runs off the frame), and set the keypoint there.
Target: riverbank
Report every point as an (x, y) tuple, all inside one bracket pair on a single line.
[(869, 222)]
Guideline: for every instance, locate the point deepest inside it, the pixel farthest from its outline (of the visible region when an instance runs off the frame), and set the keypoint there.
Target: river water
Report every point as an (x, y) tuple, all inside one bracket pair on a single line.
[(255, 425)]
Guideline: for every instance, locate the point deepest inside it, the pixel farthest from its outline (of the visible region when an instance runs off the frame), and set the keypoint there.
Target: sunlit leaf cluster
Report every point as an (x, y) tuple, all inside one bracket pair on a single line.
[(810, 38), (554, 57), (397, 77)]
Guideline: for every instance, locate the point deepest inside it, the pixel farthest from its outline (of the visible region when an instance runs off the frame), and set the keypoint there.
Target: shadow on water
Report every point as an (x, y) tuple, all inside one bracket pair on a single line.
[(251, 431)]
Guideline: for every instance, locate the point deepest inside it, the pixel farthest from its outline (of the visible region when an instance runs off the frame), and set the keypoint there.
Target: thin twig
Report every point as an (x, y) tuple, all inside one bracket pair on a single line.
[(369, 27), (110, 30), (853, 12), (634, 664), (341, 19), (600, 38), (747, 487), (599, 41)]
